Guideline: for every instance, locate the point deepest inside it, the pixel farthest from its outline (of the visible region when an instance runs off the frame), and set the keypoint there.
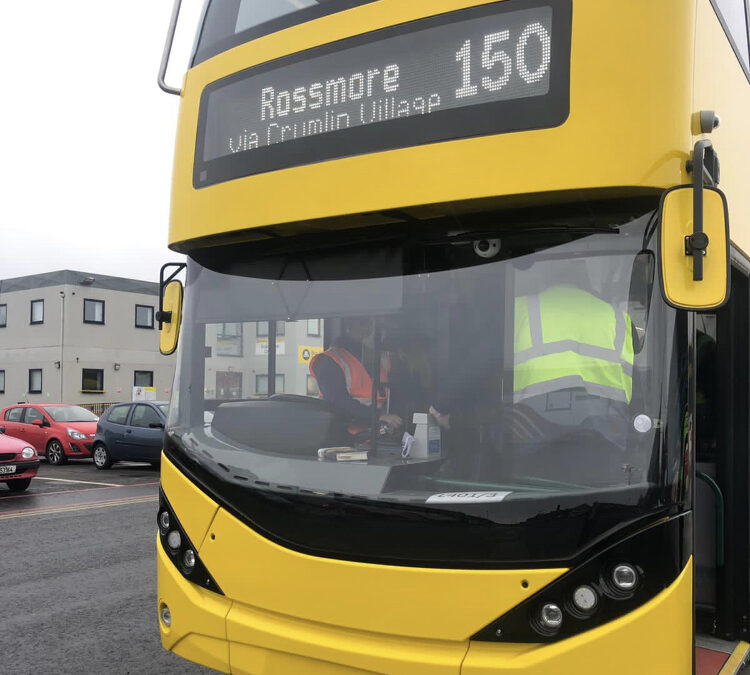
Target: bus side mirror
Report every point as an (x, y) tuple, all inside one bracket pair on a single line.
[(694, 247), (169, 317)]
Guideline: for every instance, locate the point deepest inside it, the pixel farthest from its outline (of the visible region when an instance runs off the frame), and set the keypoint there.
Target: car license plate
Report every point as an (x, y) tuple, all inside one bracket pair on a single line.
[(8, 468)]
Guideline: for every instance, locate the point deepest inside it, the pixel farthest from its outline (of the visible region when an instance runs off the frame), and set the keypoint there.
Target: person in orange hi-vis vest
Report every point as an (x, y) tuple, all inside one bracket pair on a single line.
[(345, 382)]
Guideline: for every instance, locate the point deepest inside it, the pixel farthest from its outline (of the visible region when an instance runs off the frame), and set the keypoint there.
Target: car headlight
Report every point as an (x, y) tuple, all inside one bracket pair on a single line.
[(76, 434), (28, 453)]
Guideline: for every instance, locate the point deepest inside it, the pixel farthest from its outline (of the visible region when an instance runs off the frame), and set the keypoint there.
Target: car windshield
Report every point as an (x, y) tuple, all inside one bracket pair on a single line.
[(70, 413), (503, 376), (227, 23)]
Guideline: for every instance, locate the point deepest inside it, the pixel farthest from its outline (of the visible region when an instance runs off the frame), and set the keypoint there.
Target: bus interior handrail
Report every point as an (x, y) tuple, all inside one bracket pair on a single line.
[(718, 495)]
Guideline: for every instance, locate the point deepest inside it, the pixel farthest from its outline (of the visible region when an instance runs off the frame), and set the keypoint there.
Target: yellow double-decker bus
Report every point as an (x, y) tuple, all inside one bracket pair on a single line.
[(463, 361)]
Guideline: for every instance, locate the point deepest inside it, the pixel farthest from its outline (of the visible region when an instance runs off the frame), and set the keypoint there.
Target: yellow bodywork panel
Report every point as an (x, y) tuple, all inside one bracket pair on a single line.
[(273, 644), (721, 85), (193, 508), (655, 638), (432, 604), (676, 267), (198, 627), (230, 634), (629, 125)]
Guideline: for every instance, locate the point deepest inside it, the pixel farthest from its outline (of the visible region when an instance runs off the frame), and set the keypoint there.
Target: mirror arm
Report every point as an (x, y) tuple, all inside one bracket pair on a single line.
[(697, 243), (161, 315)]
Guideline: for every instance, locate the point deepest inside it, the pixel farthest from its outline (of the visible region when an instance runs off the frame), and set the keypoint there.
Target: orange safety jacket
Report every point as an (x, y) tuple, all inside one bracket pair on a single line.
[(358, 380)]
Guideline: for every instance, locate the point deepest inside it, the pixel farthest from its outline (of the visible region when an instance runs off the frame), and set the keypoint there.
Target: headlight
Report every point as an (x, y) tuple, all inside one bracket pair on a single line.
[(28, 453), (76, 434), (625, 577)]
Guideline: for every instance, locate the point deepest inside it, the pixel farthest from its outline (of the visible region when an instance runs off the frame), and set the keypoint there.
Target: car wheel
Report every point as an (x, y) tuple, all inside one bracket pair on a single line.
[(55, 453), (19, 485), (102, 458)]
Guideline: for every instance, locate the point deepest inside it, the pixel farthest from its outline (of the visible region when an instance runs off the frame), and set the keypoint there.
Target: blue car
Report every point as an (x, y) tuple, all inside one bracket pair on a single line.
[(130, 432)]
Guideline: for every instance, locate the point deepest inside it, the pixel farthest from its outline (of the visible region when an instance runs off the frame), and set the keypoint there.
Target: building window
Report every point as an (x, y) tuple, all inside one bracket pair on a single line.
[(93, 311), (144, 316), (37, 311), (2, 381), (35, 381), (229, 339), (92, 379), (261, 329), (143, 378), (3, 316), (313, 327), (261, 384)]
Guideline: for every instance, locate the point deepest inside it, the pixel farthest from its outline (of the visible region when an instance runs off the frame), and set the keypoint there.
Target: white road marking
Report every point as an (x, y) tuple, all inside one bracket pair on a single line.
[(83, 482)]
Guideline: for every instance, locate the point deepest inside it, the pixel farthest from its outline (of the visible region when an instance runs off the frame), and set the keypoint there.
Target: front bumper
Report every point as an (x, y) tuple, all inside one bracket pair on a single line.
[(234, 637), (26, 469)]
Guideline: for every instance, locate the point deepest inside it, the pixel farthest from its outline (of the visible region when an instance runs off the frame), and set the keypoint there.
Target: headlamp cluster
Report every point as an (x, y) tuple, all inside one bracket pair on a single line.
[(179, 548), (602, 588)]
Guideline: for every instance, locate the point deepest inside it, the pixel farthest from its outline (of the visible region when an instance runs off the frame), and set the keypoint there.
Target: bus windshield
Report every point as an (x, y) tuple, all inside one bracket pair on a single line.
[(228, 23), (477, 381)]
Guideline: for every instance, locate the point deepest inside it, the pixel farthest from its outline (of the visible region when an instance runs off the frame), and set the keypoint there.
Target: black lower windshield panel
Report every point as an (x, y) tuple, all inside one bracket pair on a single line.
[(504, 393)]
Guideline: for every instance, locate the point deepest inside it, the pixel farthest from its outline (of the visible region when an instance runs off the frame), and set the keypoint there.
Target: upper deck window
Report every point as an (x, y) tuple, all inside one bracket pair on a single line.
[(734, 18), (229, 23)]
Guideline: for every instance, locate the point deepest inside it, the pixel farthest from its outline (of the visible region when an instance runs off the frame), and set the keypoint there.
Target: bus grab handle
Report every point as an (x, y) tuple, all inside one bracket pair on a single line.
[(168, 50)]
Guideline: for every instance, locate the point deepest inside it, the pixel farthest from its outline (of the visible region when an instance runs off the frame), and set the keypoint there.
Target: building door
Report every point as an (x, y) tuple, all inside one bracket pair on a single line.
[(228, 384)]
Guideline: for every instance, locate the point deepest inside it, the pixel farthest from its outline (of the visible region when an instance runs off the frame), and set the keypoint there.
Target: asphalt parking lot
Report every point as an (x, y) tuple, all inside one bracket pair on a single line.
[(79, 574)]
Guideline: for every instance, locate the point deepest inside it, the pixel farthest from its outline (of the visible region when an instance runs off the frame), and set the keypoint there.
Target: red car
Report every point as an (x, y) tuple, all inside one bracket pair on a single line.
[(55, 430), (18, 463)]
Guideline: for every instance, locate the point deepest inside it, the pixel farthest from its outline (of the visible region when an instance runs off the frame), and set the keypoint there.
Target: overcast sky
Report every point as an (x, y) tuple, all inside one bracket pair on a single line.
[(87, 136)]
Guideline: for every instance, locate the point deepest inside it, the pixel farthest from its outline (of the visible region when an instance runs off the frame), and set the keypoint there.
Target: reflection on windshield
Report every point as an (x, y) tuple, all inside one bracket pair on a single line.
[(72, 413)]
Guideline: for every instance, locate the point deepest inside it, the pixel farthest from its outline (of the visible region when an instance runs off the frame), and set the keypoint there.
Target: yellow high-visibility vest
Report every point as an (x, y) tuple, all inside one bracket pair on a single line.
[(565, 337)]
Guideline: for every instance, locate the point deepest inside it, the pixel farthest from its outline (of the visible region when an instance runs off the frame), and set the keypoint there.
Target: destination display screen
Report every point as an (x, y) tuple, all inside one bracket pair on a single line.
[(490, 69)]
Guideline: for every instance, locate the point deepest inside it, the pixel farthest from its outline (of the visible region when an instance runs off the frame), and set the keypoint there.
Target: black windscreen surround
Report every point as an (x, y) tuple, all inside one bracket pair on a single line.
[(519, 476), (492, 69)]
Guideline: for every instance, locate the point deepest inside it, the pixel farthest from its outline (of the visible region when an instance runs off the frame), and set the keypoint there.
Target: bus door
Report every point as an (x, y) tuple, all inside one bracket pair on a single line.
[(722, 530)]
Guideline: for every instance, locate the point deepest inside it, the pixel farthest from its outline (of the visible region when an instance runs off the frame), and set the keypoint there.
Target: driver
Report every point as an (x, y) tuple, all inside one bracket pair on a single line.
[(573, 353), (345, 382)]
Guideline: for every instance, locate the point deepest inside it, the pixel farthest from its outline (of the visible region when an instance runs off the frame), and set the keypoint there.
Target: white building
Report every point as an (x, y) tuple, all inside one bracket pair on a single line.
[(80, 338)]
